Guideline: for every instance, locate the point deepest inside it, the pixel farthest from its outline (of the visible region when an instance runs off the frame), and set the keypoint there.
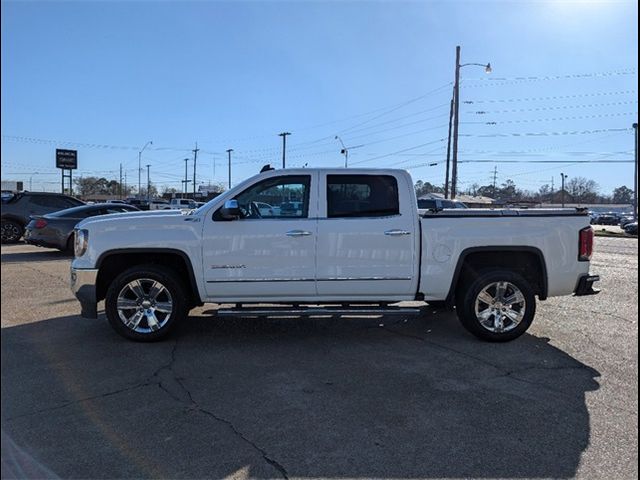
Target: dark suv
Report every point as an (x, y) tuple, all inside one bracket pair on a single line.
[(17, 209)]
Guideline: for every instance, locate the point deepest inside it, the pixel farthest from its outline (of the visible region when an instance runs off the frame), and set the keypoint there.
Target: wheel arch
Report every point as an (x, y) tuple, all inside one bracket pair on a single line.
[(113, 262), (14, 218), (526, 260)]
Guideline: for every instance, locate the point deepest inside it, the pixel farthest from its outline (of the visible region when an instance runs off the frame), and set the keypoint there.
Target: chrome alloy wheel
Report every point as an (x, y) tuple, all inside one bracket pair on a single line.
[(144, 305), (500, 307)]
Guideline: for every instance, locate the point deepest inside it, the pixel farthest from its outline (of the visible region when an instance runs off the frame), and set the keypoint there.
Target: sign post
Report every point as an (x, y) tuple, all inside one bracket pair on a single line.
[(67, 160)]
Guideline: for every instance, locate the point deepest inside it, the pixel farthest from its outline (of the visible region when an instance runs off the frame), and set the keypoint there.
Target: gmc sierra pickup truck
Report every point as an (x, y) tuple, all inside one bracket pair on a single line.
[(356, 245)]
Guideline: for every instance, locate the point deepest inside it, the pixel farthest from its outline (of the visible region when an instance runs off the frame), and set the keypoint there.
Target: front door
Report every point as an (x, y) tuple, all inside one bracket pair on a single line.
[(268, 254)]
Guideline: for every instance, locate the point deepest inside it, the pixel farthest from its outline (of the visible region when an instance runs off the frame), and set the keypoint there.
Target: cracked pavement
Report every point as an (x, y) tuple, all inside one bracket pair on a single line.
[(413, 397)]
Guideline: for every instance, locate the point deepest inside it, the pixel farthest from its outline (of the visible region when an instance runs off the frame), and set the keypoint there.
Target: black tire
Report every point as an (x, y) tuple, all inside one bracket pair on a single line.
[(11, 231), (164, 276), (472, 288)]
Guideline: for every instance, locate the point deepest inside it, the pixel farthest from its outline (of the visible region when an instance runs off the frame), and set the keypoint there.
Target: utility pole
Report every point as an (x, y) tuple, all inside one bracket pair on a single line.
[(120, 184), (495, 176), (635, 176), (140, 166), (456, 100), (185, 181), (344, 151), (552, 188), (148, 184), (284, 148), (195, 157), (446, 178), (564, 177), (456, 112), (229, 153)]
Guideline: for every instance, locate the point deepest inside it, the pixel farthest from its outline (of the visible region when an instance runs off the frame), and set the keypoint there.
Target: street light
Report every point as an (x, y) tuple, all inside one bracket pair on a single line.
[(31, 178), (344, 151), (229, 154), (140, 166), (564, 177), (456, 100)]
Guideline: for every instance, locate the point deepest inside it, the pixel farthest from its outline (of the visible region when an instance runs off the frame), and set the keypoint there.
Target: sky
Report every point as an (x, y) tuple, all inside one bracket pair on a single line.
[(105, 78)]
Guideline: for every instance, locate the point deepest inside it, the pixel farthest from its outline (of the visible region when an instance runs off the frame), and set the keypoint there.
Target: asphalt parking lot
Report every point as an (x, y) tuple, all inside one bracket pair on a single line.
[(340, 398)]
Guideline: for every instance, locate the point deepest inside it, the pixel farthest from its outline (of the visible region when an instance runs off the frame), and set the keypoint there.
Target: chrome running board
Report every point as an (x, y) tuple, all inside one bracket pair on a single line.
[(311, 311)]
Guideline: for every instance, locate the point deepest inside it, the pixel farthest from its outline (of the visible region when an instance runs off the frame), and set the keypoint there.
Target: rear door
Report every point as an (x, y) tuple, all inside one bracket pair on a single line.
[(366, 245)]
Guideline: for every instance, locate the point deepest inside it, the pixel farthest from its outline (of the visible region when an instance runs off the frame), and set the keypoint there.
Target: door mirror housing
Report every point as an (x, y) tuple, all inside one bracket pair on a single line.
[(230, 210)]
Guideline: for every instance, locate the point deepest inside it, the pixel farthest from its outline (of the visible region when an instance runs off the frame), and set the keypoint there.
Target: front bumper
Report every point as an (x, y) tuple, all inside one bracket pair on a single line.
[(83, 286), (585, 285)]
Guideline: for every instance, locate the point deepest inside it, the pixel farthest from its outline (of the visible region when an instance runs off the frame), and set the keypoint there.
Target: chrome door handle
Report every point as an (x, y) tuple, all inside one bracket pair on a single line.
[(397, 233), (298, 233)]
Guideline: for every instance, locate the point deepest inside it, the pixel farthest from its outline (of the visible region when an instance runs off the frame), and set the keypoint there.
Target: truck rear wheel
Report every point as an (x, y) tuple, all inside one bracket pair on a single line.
[(144, 303), (496, 305)]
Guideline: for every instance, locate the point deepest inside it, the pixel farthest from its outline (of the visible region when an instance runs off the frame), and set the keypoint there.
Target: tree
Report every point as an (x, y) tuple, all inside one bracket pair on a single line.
[(422, 188), (98, 186), (153, 191), (166, 190), (622, 194), (544, 193), (583, 190)]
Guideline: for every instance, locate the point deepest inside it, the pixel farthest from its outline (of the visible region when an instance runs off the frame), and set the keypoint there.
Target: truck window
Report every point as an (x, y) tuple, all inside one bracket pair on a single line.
[(277, 197), (362, 196)]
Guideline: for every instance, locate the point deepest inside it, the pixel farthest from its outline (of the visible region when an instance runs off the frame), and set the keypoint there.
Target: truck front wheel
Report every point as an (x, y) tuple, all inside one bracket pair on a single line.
[(496, 305), (144, 302)]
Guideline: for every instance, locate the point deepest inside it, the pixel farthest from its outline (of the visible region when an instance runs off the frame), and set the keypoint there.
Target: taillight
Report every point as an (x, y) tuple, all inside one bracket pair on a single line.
[(586, 244), (40, 223)]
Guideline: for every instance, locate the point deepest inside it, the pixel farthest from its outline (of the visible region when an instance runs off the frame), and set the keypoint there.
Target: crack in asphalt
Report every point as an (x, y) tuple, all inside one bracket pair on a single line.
[(196, 406)]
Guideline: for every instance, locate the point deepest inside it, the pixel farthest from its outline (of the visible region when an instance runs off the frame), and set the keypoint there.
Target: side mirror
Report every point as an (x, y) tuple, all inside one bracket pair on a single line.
[(230, 210)]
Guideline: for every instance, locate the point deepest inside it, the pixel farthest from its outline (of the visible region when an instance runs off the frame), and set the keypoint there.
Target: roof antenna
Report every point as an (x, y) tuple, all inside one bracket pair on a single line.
[(266, 168)]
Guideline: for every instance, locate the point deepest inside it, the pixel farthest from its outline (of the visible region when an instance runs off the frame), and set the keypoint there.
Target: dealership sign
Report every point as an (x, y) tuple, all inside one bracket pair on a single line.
[(66, 159)]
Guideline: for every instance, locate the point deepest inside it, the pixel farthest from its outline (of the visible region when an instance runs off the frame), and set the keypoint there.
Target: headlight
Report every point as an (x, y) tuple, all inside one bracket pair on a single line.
[(81, 243)]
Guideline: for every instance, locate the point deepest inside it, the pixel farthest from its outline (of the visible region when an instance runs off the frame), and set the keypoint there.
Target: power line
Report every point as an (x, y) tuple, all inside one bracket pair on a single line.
[(552, 97), (399, 151), (548, 134), (554, 107), (501, 81)]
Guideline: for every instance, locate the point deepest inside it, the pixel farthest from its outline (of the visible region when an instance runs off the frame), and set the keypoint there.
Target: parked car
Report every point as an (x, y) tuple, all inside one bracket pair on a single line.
[(265, 209), (118, 201), (17, 210), (358, 239), (607, 219), (291, 209), (181, 204), (55, 230), (631, 228), (626, 219), (158, 204), (138, 203), (438, 204)]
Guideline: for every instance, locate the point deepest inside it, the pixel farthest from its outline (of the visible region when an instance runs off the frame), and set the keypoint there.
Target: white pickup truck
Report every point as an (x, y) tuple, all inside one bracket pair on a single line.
[(357, 246)]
